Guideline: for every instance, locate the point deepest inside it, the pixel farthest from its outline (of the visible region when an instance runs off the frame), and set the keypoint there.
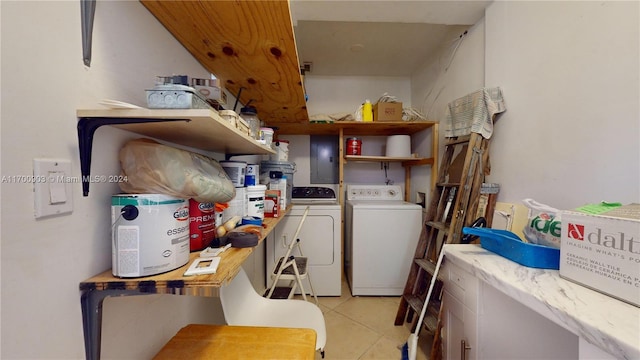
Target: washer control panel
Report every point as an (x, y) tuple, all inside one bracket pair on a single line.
[(375, 192)]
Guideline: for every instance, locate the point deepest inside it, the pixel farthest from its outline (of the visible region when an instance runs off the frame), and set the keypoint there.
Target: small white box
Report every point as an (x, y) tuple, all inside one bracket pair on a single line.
[(602, 251)]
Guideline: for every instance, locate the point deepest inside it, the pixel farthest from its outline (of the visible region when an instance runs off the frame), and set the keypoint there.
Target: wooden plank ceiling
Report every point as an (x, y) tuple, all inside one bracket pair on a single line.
[(248, 44)]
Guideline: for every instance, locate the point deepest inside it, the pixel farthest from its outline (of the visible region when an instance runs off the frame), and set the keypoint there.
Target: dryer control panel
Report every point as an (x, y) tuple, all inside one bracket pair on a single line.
[(374, 192)]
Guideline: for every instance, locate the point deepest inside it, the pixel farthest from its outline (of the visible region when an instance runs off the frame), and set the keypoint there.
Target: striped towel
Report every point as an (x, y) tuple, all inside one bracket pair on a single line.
[(474, 113)]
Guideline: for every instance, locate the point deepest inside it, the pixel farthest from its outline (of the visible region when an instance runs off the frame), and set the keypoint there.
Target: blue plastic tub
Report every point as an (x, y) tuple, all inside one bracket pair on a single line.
[(509, 245)]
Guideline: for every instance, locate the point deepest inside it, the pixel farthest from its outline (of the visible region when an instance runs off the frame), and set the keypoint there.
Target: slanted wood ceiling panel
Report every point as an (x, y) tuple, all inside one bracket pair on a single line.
[(246, 44)]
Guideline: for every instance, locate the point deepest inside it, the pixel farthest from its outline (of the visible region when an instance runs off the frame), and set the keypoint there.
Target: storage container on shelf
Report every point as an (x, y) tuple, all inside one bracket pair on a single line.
[(237, 205), (266, 136), (282, 150), (150, 234), (252, 175), (202, 224), (230, 116), (354, 146), (255, 200), (235, 170), (250, 115), (286, 168)]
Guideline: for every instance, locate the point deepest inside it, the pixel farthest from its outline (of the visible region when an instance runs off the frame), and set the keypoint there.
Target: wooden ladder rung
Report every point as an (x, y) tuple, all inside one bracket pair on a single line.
[(438, 225), (428, 266), (431, 317), (280, 292), (457, 140), (448, 184)]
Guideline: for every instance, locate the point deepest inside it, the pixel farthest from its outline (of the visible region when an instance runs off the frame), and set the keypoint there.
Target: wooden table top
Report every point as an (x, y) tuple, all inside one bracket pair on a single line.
[(239, 342)]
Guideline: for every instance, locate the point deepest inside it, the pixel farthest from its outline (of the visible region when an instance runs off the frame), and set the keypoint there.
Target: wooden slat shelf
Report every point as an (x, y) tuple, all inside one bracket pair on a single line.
[(406, 161), (203, 129), (175, 282), (358, 128), (197, 128)]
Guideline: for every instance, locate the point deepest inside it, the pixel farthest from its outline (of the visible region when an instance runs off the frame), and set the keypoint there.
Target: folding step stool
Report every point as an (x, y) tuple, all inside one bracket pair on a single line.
[(293, 269)]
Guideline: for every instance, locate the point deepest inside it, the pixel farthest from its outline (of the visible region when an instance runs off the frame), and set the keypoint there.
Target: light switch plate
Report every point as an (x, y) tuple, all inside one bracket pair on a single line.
[(52, 187)]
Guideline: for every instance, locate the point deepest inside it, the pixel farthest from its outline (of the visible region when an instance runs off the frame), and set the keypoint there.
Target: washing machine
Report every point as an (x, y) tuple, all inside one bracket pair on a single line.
[(320, 238), (381, 235)]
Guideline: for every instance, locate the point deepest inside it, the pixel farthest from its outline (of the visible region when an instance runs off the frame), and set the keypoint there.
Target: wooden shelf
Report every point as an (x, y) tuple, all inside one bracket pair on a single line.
[(353, 128), (406, 161), (198, 128), (201, 129), (346, 129), (175, 282), (248, 44)]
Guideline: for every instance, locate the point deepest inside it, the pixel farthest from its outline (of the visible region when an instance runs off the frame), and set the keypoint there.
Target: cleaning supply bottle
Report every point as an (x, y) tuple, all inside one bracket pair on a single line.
[(367, 111)]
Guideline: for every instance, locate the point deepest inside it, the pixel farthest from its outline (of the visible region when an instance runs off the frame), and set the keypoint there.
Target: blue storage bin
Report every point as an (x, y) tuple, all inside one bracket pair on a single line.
[(509, 245)]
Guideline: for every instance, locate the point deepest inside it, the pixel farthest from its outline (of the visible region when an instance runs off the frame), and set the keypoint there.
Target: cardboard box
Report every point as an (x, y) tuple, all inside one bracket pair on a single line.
[(272, 203), (602, 251), (386, 111)]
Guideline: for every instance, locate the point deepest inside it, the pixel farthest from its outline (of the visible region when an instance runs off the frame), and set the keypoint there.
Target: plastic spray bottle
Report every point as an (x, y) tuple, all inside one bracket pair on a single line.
[(367, 111)]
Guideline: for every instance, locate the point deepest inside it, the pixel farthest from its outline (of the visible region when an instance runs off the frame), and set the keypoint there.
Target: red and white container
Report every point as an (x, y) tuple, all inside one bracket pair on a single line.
[(354, 146), (202, 224)]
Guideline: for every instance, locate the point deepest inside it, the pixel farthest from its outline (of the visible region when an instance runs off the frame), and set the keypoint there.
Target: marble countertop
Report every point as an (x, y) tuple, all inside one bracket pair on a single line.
[(605, 322)]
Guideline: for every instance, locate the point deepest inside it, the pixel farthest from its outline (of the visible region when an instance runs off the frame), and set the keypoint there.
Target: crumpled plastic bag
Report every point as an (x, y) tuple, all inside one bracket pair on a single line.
[(543, 226), (154, 168)]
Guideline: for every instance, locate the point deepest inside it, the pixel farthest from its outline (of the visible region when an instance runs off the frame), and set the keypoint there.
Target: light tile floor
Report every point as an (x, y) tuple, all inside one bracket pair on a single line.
[(362, 327)]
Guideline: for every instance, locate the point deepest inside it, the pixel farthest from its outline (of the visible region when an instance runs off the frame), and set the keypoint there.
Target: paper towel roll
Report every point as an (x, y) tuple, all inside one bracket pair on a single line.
[(398, 146)]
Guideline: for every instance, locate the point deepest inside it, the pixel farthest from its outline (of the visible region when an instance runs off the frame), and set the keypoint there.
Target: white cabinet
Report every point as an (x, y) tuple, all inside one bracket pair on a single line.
[(480, 322), (459, 333), (504, 310), (460, 302)]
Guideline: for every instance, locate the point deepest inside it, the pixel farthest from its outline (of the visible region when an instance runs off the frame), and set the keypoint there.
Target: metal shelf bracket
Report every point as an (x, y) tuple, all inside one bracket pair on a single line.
[(87, 126)]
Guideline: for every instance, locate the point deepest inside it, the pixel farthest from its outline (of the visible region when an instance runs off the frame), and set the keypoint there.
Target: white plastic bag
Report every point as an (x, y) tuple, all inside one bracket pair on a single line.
[(544, 226), (151, 167)]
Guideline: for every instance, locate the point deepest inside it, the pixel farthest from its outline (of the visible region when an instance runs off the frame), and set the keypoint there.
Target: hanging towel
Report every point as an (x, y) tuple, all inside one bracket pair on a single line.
[(474, 113)]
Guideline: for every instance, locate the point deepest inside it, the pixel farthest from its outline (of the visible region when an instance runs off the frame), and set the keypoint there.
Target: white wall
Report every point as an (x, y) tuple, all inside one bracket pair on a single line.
[(569, 72), (43, 261), (333, 95), (570, 76), (456, 70)]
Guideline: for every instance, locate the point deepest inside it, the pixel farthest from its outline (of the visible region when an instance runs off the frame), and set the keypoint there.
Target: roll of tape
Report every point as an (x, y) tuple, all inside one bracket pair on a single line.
[(242, 240)]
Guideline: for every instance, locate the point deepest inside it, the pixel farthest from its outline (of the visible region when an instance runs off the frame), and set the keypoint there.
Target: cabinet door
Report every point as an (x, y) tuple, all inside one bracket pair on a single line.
[(458, 329), (460, 303), (510, 330)]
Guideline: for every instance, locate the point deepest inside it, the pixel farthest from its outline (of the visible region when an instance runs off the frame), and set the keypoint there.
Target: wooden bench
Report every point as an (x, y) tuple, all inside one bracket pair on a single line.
[(239, 342)]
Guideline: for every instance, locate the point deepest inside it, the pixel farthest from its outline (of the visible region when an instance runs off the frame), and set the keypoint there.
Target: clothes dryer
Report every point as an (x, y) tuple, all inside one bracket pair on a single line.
[(320, 238)]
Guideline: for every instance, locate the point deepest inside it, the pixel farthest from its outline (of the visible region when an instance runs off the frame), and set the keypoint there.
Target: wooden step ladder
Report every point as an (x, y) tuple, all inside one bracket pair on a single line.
[(453, 205)]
